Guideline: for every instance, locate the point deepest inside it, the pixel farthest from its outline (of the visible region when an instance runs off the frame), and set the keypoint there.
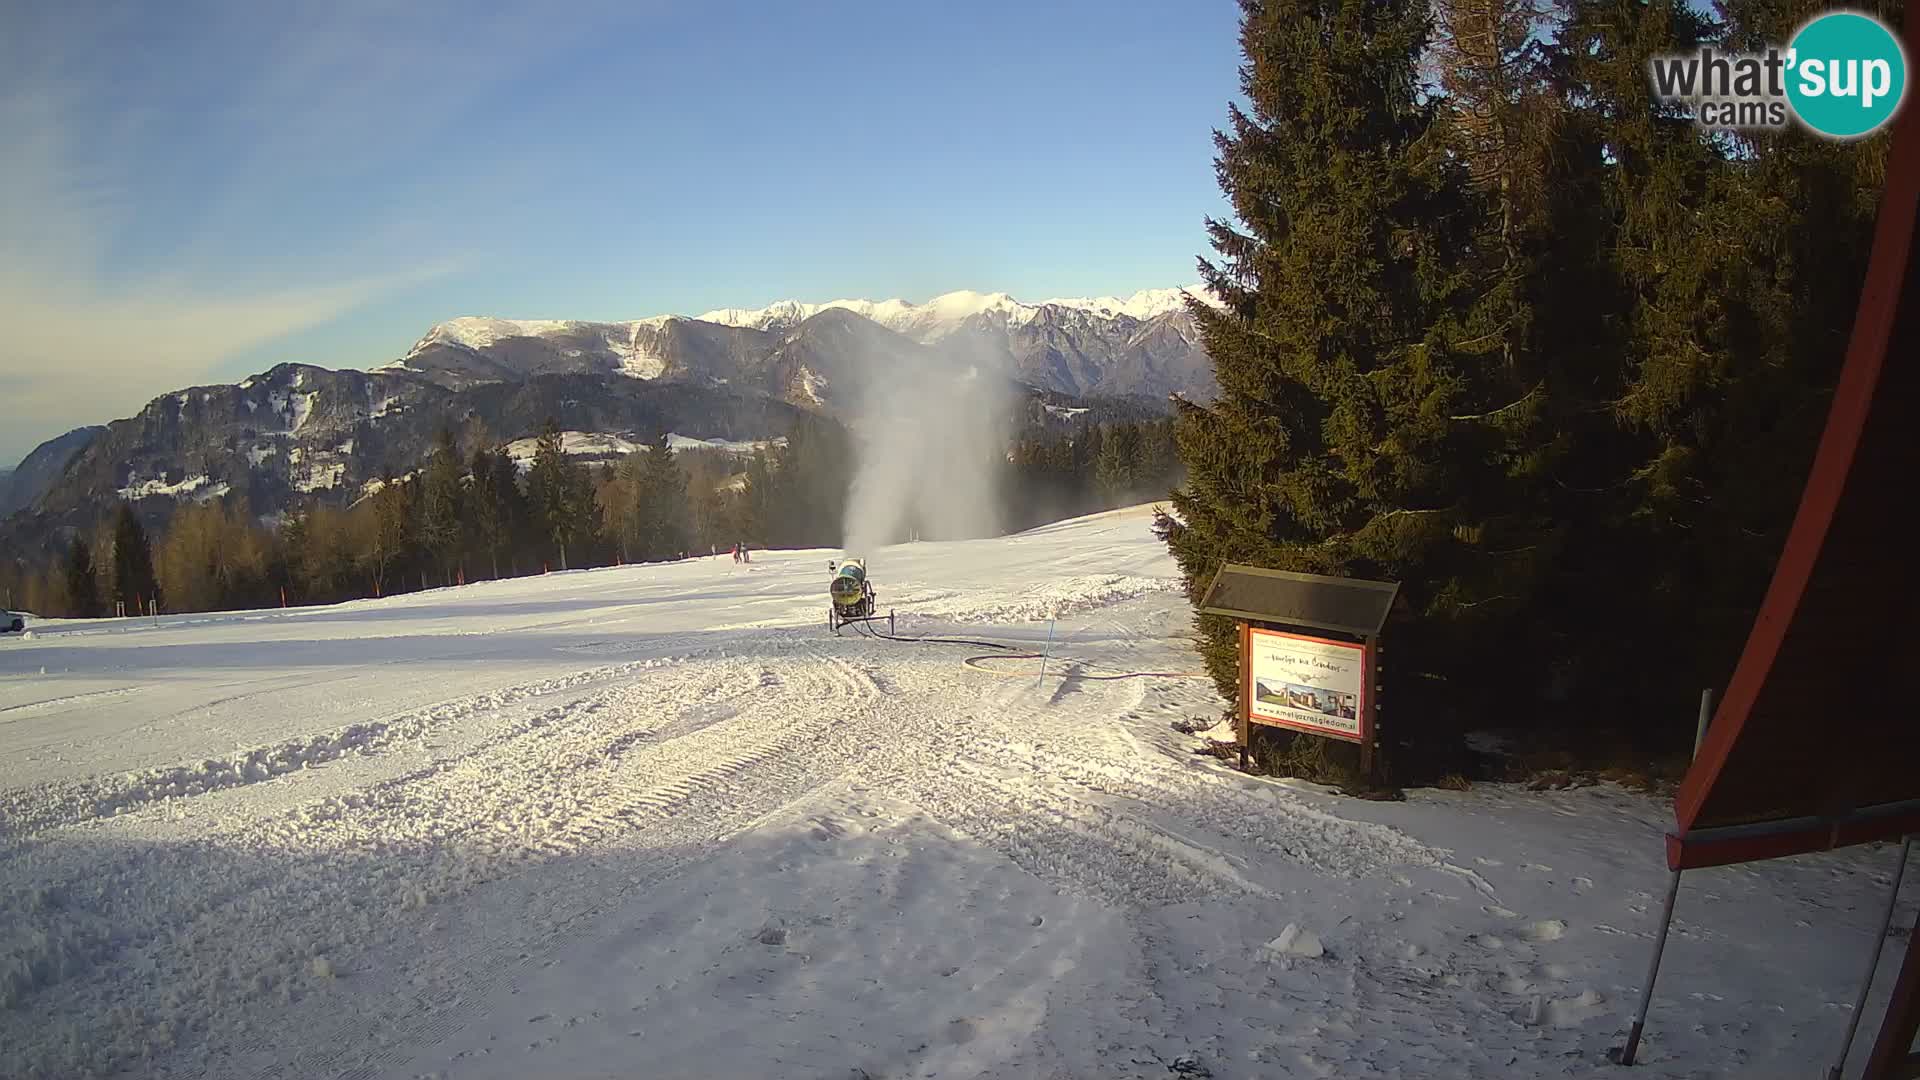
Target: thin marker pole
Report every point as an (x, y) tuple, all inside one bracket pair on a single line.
[(1045, 655), (1873, 961), (1706, 716), (1653, 969)]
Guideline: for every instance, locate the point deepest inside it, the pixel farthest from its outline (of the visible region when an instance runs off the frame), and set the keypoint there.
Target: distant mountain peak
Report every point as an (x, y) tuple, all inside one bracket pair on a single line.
[(299, 433), (925, 322), (1143, 305), (944, 313), (478, 332), (1141, 344)]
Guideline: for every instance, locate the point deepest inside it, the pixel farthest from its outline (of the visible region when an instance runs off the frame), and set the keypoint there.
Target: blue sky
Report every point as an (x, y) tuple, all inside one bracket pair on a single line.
[(195, 192)]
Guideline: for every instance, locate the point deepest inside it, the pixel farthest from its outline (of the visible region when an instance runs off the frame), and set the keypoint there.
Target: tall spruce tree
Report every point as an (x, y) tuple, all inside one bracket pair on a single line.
[(663, 491), (1649, 270), (561, 492), (494, 498), (1527, 332), (1115, 474), (620, 504), (1156, 462), (759, 508), (133, 577), (442, 505), (1747, 287), (83, 585), (389, 531), (1354, 432)]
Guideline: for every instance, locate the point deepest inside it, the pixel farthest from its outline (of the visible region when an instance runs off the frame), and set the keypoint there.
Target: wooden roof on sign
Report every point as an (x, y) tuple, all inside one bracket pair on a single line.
[(1342, 604)]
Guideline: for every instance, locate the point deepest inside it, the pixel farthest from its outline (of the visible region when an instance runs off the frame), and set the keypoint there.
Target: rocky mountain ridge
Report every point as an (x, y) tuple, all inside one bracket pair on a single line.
[(299, 433)]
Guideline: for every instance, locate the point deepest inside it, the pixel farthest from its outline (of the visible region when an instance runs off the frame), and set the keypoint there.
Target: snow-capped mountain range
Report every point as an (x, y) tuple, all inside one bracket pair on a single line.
[(925, 323), (736, 375), (1144, 345), (948, 312)]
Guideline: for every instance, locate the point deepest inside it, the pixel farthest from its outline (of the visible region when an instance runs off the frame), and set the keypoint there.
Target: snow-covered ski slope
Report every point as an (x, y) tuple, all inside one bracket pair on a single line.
[(659, 822)]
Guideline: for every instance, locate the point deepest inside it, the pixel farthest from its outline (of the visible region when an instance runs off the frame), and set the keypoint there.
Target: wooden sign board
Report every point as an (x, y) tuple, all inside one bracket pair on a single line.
[(1309, 651), (1304, 683)]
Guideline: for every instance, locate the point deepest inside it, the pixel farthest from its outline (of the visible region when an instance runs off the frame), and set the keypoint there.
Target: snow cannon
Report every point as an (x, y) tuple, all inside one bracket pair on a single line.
[(850, 589), (852, 595)]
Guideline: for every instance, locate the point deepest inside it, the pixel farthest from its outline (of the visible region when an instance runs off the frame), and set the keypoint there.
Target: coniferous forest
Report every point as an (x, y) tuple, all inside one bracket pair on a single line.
[(471, 513), (1500, 326)]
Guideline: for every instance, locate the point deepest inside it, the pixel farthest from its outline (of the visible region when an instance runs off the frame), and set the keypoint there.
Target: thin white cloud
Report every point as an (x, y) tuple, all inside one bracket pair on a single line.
[(149, 184), (71, 354), (80, 344)]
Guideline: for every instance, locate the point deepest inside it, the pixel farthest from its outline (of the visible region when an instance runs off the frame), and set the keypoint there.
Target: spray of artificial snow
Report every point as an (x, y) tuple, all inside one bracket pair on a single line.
[(929, 447)]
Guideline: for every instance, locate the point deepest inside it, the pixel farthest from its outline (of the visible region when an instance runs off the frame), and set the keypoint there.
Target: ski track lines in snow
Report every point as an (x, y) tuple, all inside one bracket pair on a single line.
[(774, 851)]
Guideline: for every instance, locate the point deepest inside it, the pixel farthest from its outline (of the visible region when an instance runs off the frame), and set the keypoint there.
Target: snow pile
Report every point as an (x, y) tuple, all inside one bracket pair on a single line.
[(1221, 731), (36, 808), (1294, 941), (1049, 600)]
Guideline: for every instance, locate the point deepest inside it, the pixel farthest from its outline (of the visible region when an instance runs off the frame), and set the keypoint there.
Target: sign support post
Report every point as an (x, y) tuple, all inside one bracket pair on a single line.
[(1309, 654), (1632, 1047), (1706, 717), (1893, 1054), (1873, 963), (1246, 692)]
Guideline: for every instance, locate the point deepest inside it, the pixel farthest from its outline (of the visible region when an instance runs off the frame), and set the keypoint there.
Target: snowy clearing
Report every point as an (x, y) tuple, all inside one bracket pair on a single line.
[(195, 487), (658, 821), (606, 445)]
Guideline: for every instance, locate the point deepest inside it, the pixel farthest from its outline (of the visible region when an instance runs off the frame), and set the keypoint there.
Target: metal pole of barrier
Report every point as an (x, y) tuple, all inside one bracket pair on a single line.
[(1653, 969), (1045, 655), (1706, 716), (1873, 961)]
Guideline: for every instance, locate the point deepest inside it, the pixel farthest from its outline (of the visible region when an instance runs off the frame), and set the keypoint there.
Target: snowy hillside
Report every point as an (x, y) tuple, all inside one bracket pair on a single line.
[(659, 821)]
